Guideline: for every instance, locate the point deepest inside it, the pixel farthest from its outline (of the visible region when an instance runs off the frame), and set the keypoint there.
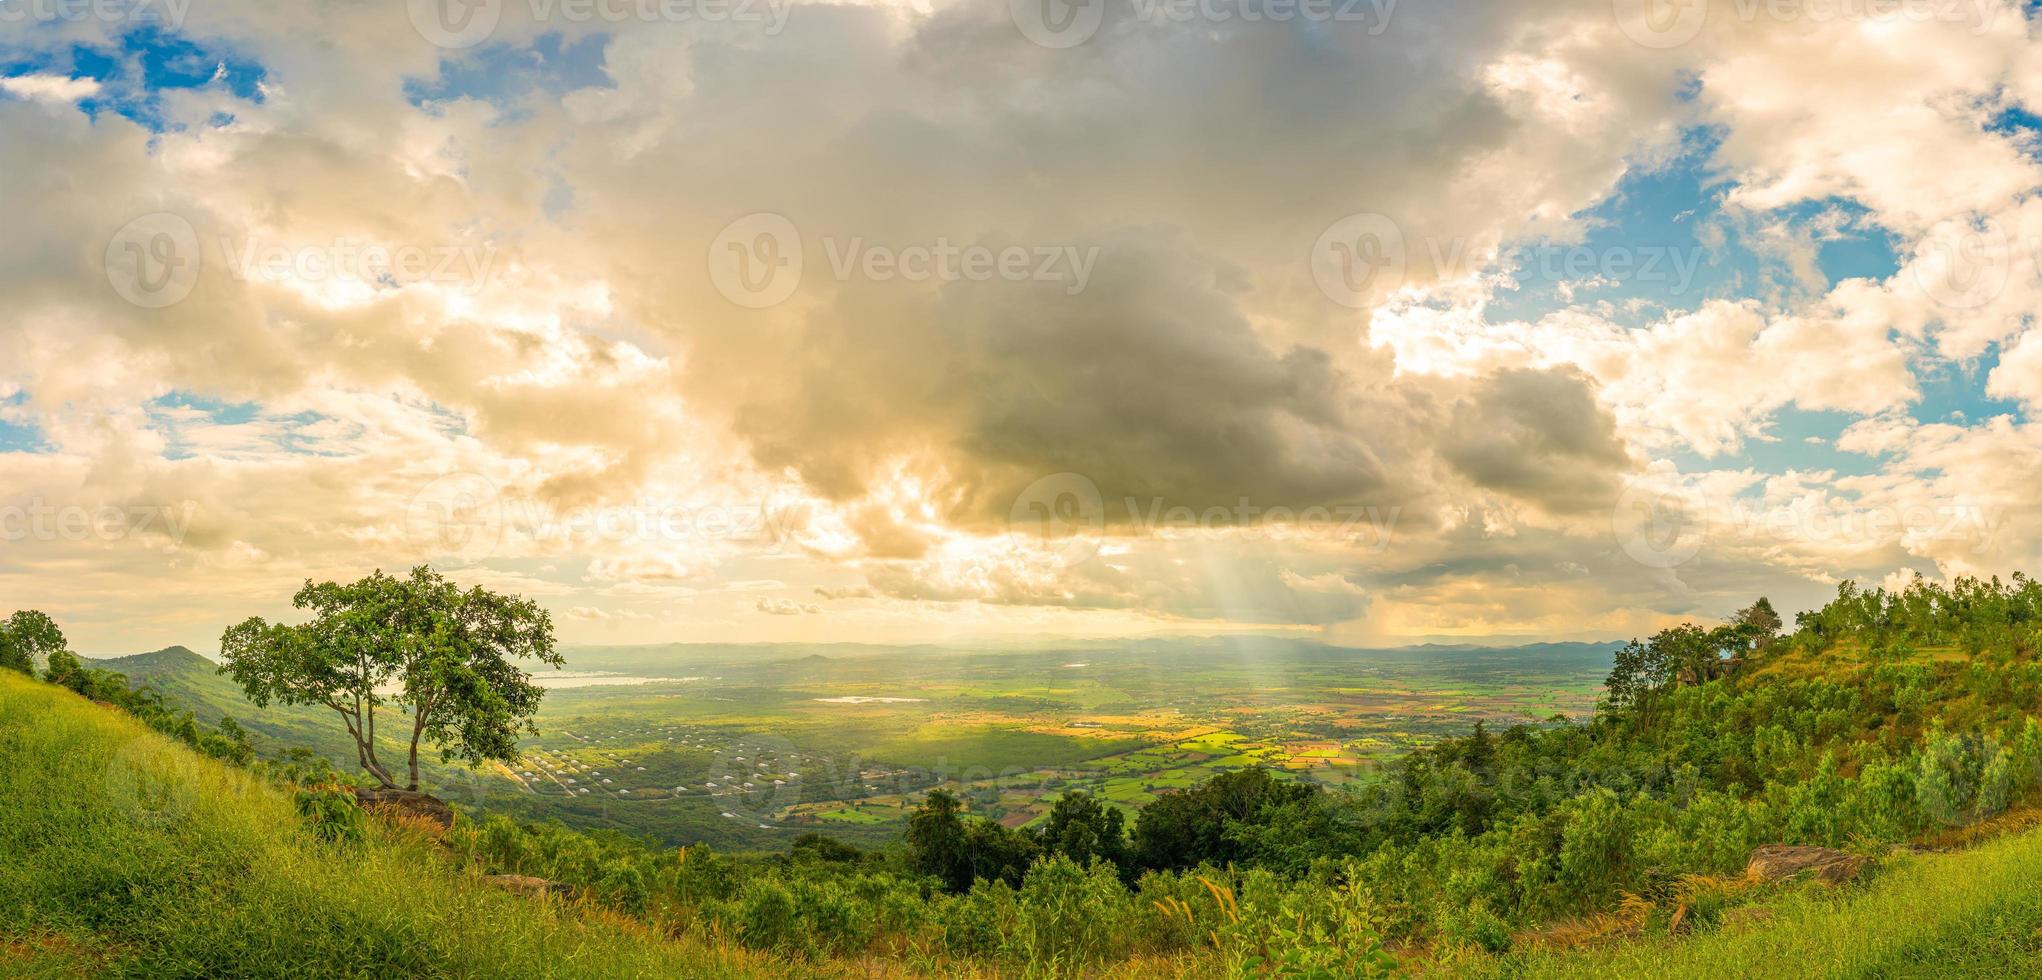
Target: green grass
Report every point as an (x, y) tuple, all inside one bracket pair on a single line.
[(124, 854), (987, 752), (1976, 913), (852, 816)]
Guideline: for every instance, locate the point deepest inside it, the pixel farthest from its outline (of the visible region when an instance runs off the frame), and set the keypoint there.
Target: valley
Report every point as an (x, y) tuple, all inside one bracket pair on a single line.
[(747, 747)]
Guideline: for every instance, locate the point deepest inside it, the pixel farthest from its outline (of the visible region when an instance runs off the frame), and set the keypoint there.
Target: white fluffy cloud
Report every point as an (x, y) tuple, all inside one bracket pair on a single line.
[(463, 306)]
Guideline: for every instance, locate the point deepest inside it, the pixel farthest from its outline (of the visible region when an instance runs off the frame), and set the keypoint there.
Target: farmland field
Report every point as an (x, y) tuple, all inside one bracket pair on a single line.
[(749, 746)]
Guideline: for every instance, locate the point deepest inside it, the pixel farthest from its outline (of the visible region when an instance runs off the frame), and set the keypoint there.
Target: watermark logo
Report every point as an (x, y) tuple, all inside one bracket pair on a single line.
[(455, 24), (466, 267), (755, 261), (466, 516), (1362, 258), (42, 521), (1057, 24), (154, 261), (1965, 264), (1374, 14), (1656, 527), (1064, 514), (1660, 23), (168, 13), (1358, 525), (458, 516), (1069, 23), (152, 786), (1358, 259), (461, 24)]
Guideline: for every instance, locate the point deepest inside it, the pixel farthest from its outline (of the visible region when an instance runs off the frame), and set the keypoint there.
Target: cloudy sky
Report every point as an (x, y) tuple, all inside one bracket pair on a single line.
[(932, 320)]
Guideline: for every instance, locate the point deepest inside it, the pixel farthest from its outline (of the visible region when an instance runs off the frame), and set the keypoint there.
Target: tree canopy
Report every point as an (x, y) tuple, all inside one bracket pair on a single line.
[(419, 644), (26, 637)]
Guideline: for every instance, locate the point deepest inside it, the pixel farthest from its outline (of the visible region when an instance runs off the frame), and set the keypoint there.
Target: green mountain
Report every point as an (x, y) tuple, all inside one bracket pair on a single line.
[(194, 683)]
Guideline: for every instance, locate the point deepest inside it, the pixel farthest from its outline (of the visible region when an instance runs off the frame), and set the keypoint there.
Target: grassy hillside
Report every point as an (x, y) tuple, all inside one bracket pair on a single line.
[(194, 683), (1611, 846), (1975, 913), (123, 853)]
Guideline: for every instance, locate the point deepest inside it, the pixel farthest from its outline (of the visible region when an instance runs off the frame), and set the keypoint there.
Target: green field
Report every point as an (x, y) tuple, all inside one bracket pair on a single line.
[(746, 747)]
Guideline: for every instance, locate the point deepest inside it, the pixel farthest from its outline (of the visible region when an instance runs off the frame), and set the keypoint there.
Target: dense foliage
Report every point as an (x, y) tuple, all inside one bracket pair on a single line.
[(1884, 717), (447, 657)]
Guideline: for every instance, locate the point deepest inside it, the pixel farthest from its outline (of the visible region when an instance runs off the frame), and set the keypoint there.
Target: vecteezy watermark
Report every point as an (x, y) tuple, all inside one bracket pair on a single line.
[(1672, 23), (154, 261), (1664, 527), (1359, 259), (757, 261), (1057, 23), (41, 521), (1656, 527), (1363, 257), (165, 13), (466, 266), (151, 784), (1583, 266), (464, 516), (1069, 23), (1965, 263), (1367, 525), (459, 516), (1064, 514), (458, 24)]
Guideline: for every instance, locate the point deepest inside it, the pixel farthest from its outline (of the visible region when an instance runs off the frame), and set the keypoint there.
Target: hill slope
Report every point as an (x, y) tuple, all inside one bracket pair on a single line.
[(122, 853), (1977, 913), (145, 666), (192, 682)]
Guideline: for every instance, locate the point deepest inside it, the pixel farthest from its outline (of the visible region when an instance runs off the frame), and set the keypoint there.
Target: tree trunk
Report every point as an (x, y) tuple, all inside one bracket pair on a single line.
[(421, 712), (365, 749)]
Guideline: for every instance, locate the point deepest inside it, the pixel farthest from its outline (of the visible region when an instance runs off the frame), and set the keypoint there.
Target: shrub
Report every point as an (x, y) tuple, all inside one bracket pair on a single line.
[(332, 814)]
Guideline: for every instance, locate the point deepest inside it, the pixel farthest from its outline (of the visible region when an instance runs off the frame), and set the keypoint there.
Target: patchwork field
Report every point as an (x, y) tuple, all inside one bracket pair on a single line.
[(747, 747)]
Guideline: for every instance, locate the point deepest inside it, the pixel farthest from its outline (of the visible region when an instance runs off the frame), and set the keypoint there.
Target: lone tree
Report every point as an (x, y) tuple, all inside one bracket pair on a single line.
[(28, 636), (420, 645), (1759, 624)]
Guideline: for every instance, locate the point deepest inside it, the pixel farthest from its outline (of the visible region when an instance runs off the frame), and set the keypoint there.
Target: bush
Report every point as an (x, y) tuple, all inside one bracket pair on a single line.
[(332, 814)]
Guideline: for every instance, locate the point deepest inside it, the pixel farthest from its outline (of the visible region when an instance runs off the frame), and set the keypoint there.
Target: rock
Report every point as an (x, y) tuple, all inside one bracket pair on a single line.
[(408, 803), (526, 885), (1830, 866)]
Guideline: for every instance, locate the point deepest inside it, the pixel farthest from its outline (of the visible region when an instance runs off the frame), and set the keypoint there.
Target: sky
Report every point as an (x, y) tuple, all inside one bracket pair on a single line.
[(955, 320)]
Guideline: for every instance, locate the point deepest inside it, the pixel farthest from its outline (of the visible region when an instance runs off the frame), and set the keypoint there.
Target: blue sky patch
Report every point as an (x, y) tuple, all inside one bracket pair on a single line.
[(505, 75), (17, 434), (1664, 243), (135, 72)]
